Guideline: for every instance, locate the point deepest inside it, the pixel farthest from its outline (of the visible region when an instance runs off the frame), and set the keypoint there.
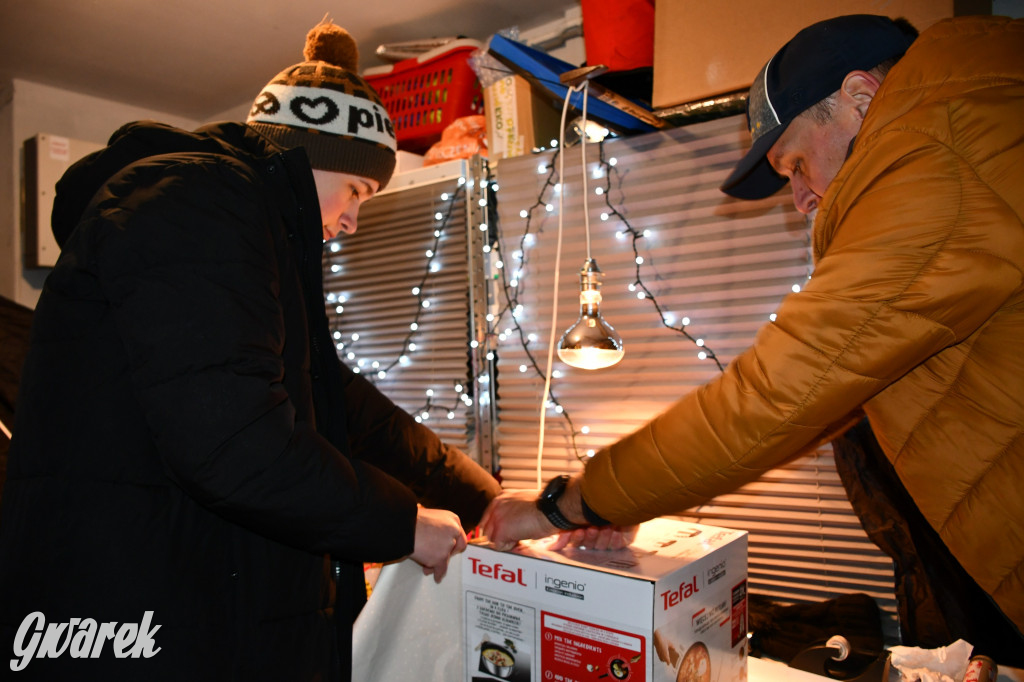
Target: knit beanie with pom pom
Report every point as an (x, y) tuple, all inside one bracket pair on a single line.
[(325, 107)]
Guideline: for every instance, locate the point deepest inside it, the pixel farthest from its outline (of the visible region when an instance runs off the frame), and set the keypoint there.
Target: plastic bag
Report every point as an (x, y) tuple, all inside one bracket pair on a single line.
[(463, 138)]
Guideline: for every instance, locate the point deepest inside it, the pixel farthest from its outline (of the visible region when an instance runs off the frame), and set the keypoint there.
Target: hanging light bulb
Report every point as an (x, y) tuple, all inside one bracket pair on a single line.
[(591, 343)]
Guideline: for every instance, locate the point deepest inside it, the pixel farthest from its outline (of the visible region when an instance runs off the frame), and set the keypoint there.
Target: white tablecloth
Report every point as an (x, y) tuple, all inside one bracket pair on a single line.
[(411, 627)]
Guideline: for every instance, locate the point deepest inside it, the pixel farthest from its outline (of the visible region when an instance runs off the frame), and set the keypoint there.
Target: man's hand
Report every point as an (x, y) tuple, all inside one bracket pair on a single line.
[(594, 537), (513, 516), (439, 535)]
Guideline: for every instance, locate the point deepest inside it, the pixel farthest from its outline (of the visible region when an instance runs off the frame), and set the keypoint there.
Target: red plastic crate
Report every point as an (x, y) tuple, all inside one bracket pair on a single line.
[(425, 94)]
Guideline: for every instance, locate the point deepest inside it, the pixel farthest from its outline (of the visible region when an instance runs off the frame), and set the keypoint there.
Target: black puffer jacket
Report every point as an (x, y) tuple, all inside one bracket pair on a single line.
[(186, 441)]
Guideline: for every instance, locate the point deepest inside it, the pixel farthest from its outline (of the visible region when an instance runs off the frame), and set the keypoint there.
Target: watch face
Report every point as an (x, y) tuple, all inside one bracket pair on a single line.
[(555, 487), (548, 503)]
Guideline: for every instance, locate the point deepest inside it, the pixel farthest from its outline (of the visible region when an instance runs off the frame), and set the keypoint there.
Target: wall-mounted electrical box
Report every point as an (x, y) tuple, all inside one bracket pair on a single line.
[(46, 158)]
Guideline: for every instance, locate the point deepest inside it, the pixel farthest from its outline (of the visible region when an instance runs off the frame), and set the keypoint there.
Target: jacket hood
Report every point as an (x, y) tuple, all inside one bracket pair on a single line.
[(134, 142)]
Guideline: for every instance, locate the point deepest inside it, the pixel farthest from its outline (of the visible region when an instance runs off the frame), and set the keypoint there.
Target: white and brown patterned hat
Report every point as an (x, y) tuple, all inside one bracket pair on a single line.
[(324, 106)]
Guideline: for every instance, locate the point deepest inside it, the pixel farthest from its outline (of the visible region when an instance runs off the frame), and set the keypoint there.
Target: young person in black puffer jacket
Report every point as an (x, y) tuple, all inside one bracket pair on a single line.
[(186, 441)]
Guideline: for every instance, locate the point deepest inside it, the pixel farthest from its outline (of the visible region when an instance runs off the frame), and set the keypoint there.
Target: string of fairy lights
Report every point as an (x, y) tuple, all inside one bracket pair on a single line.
[(376, 370), (504, 320)]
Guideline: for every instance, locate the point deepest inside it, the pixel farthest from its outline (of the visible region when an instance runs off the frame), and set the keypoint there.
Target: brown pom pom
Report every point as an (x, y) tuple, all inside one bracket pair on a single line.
[(328, 42)]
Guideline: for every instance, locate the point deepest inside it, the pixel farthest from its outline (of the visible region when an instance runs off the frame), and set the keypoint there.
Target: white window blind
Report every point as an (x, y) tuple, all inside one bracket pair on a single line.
[(401, 294), (722, 263)]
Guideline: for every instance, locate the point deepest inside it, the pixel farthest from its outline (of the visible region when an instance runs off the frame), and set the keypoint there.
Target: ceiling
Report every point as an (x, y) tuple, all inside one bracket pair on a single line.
[(200, 58)]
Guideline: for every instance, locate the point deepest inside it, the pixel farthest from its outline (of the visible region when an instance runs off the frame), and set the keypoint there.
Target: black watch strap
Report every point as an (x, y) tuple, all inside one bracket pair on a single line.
[(548, 503), (592, 517)]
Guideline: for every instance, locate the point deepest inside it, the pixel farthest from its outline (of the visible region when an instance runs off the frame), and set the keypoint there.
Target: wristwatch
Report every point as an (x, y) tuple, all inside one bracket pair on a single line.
[(548, 503)]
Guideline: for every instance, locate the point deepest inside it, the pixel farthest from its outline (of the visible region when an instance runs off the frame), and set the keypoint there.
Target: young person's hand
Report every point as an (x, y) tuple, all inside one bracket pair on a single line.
[(439, 535)]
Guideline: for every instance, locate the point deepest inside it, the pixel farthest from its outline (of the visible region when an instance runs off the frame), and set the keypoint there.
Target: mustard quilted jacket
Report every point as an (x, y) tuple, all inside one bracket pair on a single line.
[(914, 314)]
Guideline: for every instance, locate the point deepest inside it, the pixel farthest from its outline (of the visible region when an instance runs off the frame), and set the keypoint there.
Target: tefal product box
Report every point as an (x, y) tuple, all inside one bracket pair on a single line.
[(672, 607)]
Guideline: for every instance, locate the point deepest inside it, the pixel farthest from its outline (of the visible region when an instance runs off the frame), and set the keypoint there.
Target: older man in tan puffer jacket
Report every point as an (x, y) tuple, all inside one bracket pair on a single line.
[(915, 312)]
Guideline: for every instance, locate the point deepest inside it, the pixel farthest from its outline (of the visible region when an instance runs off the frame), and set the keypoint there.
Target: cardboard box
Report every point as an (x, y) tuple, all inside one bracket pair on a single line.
[(517, 119), (705, 49), (673, 606)]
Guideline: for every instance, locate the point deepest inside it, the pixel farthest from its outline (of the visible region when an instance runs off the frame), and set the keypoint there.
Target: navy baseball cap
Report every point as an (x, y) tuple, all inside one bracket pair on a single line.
[(807, 69)]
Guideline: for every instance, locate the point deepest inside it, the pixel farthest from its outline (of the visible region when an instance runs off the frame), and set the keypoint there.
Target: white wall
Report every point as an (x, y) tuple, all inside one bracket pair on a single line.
[(27, 109)]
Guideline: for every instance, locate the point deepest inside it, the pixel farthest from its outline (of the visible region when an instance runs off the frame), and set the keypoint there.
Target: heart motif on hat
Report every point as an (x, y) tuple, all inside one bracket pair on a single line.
[(314, 111)]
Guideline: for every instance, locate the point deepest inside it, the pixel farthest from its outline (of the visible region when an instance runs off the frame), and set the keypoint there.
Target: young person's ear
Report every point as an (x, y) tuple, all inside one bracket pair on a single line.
[(859, 87)]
